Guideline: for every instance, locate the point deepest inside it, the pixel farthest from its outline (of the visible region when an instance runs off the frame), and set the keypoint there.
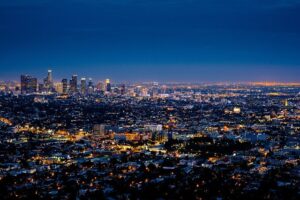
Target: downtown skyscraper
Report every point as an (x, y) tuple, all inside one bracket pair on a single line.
[(73, 84), (28, 84)]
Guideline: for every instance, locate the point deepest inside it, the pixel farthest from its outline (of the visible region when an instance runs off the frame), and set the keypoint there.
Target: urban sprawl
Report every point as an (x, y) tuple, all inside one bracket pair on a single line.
[(76, 139)]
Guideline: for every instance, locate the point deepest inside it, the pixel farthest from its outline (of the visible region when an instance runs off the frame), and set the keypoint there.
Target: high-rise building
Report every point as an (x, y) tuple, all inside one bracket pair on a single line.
[(49, 78), (144, 92), (83, 86), (48, 82), (100, 129), (58, 87), (138, 90), (73, 84), (41, 88), (28, 84), (100, 86), (65, 85), (123, 89), (23, 84), (90, 86), (107, 85)]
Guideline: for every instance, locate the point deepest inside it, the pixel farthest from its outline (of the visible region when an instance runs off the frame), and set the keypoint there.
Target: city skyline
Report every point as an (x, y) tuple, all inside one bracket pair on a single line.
[(169, 40), (150, 99), (124, 79)]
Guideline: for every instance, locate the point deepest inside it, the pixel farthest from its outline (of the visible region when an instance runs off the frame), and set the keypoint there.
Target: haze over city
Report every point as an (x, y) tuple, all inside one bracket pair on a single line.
[(167, 40)]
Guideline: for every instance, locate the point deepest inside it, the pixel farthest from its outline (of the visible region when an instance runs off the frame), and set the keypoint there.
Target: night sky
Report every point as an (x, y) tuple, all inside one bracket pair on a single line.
[(151, 40)]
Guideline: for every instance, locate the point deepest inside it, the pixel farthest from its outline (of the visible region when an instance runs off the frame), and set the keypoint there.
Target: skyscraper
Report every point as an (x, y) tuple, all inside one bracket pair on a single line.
[(90, 86), (107, 85), (73, 84), (65, 85), (48, 82), (83, 86), (23, 83), (49, 77), (41, 87), (28, 84), (123, 89), (59, 87), (100, 86)]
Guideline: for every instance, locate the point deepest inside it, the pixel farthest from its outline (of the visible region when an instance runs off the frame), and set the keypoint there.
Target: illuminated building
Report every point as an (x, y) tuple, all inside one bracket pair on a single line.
[(153, 127), (59, 88), (65, 85), (138, 90), (236, 110), (100, 86), (49, 77), (83, 86), (73, 84), (144, 92), (107, 85), (154, 91), (90, 86), (28, 84), (100, 129), (41, 87), (286, 103), (132, 136), (123, 89), (48, 81)]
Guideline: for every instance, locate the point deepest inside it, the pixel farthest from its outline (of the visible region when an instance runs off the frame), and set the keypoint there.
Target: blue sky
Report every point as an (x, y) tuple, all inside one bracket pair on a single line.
[(161, 40)]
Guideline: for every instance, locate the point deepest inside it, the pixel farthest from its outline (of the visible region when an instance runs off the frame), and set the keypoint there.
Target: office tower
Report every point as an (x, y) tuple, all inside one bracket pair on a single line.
[(123, 89), (83, 86), (58, 88), (116, 90), (138, 90), (28, 84), (49, 77), (90, 86), (65, 85), (73, 84), (144, 92), (100, 129), (32, 85), (164, 89), (90, 83), (45, 81), (23, 84), (41, 87), (107, 85), (48, 82), (154, 92), (100, 87)]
